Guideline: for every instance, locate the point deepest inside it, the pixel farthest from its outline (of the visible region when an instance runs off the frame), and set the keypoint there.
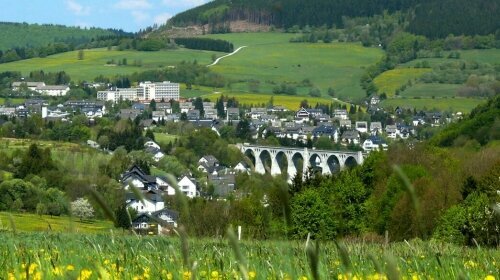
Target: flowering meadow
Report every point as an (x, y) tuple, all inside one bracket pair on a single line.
[(111, 256)]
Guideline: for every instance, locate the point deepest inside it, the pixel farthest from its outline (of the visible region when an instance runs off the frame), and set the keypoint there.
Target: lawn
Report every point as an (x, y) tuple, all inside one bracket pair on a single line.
[(165, 138), (429, 90), (32, 222), (111, 256), (444, 104), (391, 80), (94, 62), (257, 100), (271, 59), (13, 101)]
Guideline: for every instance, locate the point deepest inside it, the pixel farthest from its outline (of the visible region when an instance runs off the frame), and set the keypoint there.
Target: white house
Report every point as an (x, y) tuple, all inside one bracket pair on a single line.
[(375, 128), (16, 86), (188, 187), (151, 202), (374, 143), (242, 167), (340, 114), (53, 90), (151, 144), (362, 127), (391, 131)]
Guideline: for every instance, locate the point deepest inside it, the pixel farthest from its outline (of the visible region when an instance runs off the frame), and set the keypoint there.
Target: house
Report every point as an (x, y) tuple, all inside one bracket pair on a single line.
[(158, 116), (345, 123), (208, 105), (391, 131), (150, 202), (242, 166), (256, 113), (340, 114), (209, 160), (210, 114), (151, 144), (16, 86), (350, 137), (146, 124), (326, 130), (188, 187), (362, 127), (374, 143), (165, 107), (417, 120), (9, 112), (374, 100), (159, 222), (155, 153), (186, 107), (139, 106), (136, 177), (223, 183), (129, 114), (232, 114), (302, 114), (375, 128), (277, 109), (53, 90), (193, 114)]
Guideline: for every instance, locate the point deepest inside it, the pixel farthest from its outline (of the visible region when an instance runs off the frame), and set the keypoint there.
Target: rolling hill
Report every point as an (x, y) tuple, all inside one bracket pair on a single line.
[(18, 35)]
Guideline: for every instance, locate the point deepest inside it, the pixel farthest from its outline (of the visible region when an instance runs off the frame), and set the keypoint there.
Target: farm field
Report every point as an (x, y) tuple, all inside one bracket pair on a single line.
[(391, 80), (442, 104), (94, 62), (290, 102), (33, 223), (271, 59), (56, 256), (11, 100), (429, 90)]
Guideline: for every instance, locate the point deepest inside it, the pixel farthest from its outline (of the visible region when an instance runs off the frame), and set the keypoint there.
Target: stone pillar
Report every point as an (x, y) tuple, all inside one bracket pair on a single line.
[(306, 163), (259, 165), (360, 158), (275, 167), (325, 169), (342, 159), (292, 171)]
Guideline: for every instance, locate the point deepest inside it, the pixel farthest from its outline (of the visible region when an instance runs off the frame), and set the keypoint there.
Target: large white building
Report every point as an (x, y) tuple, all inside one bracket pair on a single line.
[(40, 87), (146, 91)]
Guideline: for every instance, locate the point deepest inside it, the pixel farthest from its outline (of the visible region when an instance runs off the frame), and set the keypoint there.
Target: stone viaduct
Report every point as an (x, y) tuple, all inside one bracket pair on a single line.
[(277, 160)]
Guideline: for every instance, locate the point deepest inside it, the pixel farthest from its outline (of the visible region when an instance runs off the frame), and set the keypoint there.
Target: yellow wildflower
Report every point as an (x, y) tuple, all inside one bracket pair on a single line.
[(252, 274), (470, 264), (57, 271), (186, 275), (489, 277), (84, 274), (70, 267)]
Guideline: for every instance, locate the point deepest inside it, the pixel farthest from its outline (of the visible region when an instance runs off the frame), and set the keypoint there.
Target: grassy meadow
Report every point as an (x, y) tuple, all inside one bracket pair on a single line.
[(289, 102), (94, 62), (24, 222), (428, 90), (442, 104), (392, 80), (11, 100), (110, 256), (271, 59)]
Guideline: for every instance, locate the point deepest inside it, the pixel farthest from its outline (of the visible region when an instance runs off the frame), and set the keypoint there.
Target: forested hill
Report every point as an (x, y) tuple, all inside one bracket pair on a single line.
[(433, 18), (22, 35)]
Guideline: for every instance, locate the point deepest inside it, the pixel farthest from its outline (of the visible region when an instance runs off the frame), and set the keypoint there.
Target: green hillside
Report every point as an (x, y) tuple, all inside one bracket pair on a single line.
[(270, 60), (433, 18), (38, 35), (95, 62)]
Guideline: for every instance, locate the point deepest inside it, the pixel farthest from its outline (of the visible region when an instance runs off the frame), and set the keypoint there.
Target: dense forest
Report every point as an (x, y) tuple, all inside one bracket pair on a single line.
[(19, 35), (205, 44), (431, 17)]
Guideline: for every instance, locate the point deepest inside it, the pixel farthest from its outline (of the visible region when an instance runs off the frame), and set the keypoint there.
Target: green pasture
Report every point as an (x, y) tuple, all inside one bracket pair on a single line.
[(391, 80), (11, 100), (442, 104), (31, 223), (429, 90), (94, 62), (271, 59), (165, 138), (289, 102)]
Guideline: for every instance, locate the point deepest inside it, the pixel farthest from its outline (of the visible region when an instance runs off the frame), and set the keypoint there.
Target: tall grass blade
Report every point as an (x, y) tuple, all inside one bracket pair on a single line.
[(233, 242)]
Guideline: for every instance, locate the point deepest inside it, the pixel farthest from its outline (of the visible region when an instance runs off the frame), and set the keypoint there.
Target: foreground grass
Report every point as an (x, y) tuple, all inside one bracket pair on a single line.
[(68, 256), (32, 223)]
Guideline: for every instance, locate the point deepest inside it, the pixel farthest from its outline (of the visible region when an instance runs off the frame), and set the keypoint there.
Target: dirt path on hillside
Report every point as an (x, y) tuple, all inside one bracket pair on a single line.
[(227, 55)]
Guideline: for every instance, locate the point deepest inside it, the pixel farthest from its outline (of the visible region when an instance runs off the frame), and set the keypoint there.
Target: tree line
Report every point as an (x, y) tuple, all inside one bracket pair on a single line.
[(205, 44)]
